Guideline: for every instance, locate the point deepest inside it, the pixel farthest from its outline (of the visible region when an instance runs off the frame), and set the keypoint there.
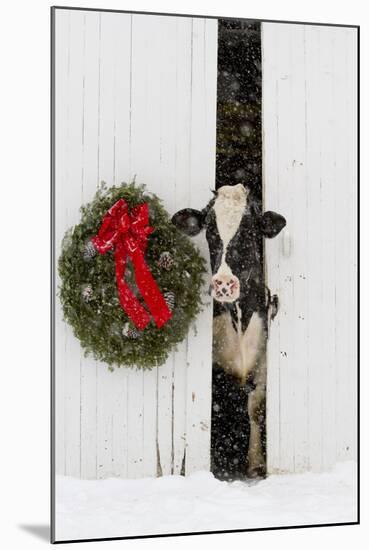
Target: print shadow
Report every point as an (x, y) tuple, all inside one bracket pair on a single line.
[(41, 531)]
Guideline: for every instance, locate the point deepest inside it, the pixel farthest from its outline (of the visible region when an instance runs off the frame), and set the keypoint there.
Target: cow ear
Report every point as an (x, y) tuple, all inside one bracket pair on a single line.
[(189, 221), (271, 224)]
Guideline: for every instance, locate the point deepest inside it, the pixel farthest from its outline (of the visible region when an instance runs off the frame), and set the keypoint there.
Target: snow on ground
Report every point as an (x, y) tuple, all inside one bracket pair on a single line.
[(199, 502)]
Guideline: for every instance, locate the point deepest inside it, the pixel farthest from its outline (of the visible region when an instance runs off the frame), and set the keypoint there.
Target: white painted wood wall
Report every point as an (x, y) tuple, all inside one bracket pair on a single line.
[(135, 96), (310, 156)]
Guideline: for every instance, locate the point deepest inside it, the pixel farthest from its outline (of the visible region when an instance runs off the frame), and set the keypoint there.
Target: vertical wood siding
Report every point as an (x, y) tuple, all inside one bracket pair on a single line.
[(309, 134), (135, 96)]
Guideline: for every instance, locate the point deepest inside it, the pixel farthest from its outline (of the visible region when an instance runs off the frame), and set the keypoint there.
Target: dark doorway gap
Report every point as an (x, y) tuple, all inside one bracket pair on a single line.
[(238, 160)]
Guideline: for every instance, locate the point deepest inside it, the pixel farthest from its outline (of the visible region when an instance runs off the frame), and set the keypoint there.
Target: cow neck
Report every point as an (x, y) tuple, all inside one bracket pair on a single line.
[(241, 316), (251, 301)]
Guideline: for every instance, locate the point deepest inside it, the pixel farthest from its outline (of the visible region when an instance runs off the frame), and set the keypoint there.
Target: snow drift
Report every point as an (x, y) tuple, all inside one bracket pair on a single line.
[(199, 502)]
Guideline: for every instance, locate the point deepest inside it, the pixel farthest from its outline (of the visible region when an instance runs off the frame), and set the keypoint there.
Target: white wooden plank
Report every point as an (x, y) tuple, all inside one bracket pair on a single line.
[(119, 422), (90, 114), (122, 96), (168, 70), (284, 173), (161, 105), (106, 99), (202, 179), (314, 249), (346, 246), (272, 246), (306, 98), (105, 172), (165, 417), (141, 139), (183, 112), (351, 445), (104, 427), (150, 423), (61, 82), (144, 76), (112, 422), (331, 49), (88, 408), (299, 192), (72, 196), (127, 108), (119, 25), (89, 175), (135, 425), (181, 197), (179, 385), (112, 387), (284, 88), (285, 139)]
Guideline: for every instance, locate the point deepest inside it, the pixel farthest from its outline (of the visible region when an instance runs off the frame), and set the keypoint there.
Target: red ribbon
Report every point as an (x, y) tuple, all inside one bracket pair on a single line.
[(127, 234)]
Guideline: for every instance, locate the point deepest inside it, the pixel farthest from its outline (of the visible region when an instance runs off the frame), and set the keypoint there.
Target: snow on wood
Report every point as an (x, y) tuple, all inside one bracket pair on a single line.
[(309, 129)]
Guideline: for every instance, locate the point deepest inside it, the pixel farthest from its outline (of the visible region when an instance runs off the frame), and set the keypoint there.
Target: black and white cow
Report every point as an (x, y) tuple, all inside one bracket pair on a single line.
[(243, 305)]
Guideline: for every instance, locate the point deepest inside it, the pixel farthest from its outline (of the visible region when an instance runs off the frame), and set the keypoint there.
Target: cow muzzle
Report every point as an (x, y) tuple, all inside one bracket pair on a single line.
[(225, 288)]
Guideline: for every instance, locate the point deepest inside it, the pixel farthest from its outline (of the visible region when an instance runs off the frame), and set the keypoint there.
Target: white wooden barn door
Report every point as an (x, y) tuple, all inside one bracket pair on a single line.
[(135, 97), (310, 153)]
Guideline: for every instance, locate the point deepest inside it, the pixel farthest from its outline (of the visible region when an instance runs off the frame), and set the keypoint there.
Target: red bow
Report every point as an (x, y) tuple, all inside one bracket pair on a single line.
[(127, 234)]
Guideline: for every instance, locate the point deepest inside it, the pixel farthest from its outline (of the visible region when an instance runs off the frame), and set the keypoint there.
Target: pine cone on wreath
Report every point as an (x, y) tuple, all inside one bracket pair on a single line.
[(170, 299), (165, 261), (130, 332), (89, 251)]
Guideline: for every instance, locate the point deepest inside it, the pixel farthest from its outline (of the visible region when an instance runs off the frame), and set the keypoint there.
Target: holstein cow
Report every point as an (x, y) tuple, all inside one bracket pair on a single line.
[(243, 305)]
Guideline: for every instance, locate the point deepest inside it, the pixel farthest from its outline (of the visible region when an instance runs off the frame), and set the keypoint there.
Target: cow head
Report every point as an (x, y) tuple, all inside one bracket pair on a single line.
[(233, 231)]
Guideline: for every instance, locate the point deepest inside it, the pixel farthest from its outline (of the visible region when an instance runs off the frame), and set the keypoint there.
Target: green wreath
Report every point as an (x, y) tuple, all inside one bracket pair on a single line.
[(88, 290)]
